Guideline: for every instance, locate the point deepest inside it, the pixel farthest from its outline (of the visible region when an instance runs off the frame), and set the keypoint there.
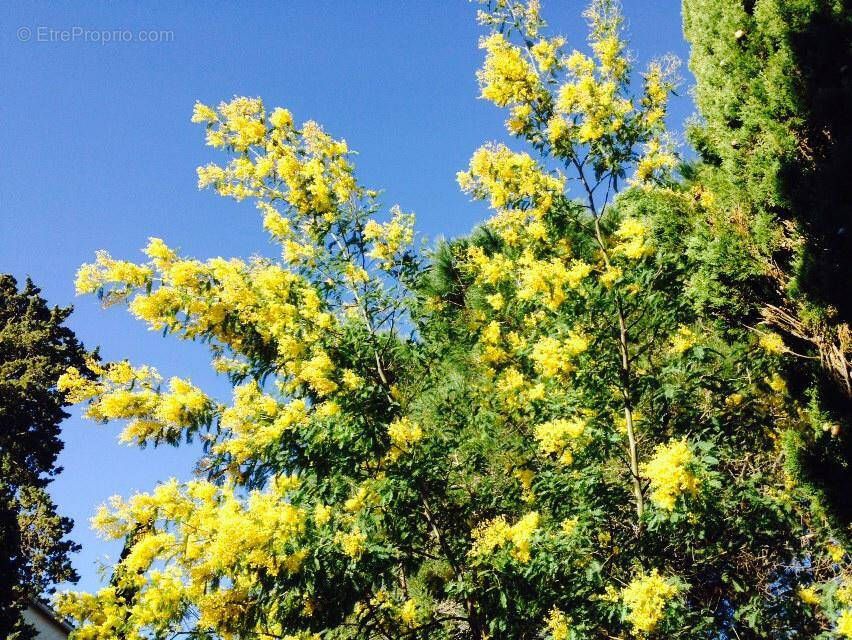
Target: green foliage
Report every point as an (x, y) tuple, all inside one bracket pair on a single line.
[(569, 424), (774, 91), (35, 349)]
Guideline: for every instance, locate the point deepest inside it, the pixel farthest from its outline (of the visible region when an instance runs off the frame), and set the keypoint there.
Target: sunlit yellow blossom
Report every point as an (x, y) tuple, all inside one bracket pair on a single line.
[(322, 514), (569, 525), (391, 238), (281, 118), (352, 542), (836, 552), (546, 53), (610, 276), (360, 500), (506, 77), (683, 340), (734, 399), (525, 477), (403, 433), (646, 599), (352, 380), (656, 158), (92, 277), (632, 235), (808, 595), (317, 373), (556, 437), (311, 460), (558, 625), (506, 178), (844, 592), (275, 223), (495, 533), (496, 301), (844, 624), (772, 343), (203, 113), (669, 473), (547, 280), (409, 612), (520, 119), (553, 356), (159, 252), (210, 531), (76, 387)]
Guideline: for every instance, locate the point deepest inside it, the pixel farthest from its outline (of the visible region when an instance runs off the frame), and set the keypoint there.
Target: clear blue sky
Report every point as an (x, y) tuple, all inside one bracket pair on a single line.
[(100, 153)]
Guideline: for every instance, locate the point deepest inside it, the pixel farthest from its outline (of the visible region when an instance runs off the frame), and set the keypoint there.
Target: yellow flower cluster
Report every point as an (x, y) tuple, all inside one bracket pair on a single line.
[(657, 89), (591, 107), (509, 179), (494, 534), (403, 433), (311, 174), (610, 276), (844, 624), (552, 356), (658, 155), (548, 279), (558, 625), (390, 238), (410, 612), (525, 477), (590, 104), (657, 158), (632, 235), (669, 473), (316, 372), (308, 169), (102, 613), (487, 269), (215, 543), (646, 598), (322, 515), (844, 591), (198, 298), (569, 525), (364, 497), (683, 340), (836, 552), (544, 280), (256, 421), (209, 547), (506, 77), (557, 437), (352, 542), (591, 97), (772, 343), (91, 277), (808, 595), (123, 392), (225, 299), (547, 53)]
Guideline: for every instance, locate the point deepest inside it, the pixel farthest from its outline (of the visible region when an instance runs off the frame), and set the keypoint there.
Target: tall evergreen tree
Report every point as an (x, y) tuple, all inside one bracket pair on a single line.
[(35, 348), (774, 90)]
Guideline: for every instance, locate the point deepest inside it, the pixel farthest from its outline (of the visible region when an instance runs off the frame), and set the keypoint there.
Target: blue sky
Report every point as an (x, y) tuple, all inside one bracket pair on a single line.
[(100, 154)]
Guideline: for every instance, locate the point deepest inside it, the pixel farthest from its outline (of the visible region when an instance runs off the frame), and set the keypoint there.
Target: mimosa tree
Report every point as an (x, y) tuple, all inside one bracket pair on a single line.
[(528, 432)]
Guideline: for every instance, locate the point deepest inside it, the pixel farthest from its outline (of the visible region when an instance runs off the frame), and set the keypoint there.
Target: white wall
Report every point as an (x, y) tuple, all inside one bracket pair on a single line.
[(47, 628)]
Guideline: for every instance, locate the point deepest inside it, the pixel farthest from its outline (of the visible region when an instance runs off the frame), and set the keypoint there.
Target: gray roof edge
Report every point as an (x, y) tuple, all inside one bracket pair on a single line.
[(51, 614)]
